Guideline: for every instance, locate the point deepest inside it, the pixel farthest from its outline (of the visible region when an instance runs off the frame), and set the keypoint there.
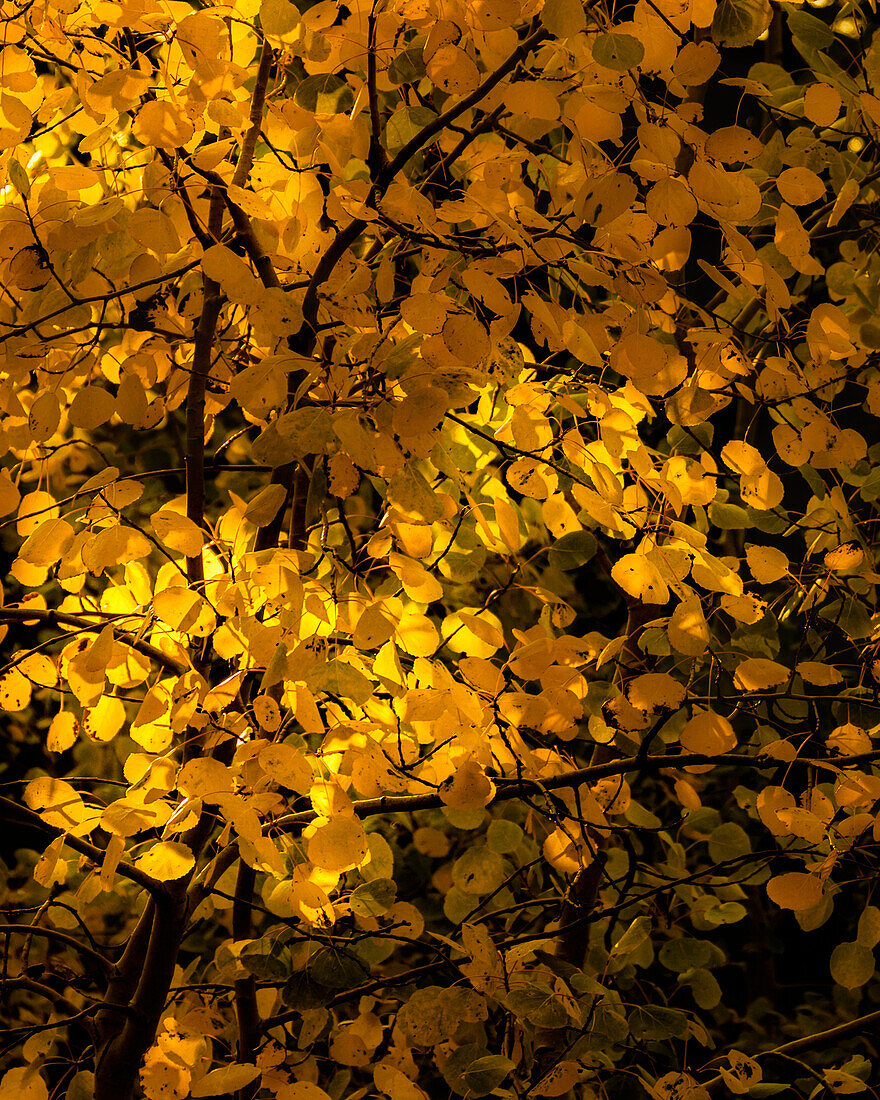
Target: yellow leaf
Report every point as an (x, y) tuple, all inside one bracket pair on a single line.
[(373, 629), (162, 124), (688, 630), (468, 788), (417, 582), (743, 457), (848, 556), (267, 713), (104, 720), (339, 845), (204, 778), (795, 890), (225, 1080), (286, 765), (15, 690), (759, 674), (50, 868), (766, 563), (184, 611), (640, 579), (178, 532), (116, 545), (655, 691), (473, 632), (762, 490), (416, 634), (167, 860), (62, 733)]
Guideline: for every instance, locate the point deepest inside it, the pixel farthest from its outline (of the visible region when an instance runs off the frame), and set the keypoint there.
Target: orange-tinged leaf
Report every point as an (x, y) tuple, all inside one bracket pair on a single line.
[(822, 103), (24, 1083), (820, 674), (708, 733), (795, 890), (301, 1090), (799, 186), (9, 494), (760, 674)]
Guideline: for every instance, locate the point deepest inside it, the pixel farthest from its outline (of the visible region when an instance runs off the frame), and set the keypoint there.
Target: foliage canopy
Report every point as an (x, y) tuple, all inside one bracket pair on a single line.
[(441, 513)]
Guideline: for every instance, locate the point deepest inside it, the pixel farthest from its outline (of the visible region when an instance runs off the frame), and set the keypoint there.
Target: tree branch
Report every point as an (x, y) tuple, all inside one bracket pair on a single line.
[(516, 788), (21, 815), (105, 966), (20, 615)]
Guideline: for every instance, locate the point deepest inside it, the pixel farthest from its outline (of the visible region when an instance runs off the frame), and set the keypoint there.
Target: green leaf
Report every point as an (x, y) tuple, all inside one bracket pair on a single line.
[(18, 177), (293, 436), (372, 899), (852, 965), (728, 841), (303, 993), (729, 517), (617, 51), (337, 969), (337, 677), (503, 836), (266, 959), (486, 1074), (633, 937), (740, 22), (656, 1022), (408, 66), (685, 954), (809, 29), (405, 124), (538, 1005), (573, 550), (704, 986), (479, 871), (324, 94), (279, 17)]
